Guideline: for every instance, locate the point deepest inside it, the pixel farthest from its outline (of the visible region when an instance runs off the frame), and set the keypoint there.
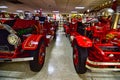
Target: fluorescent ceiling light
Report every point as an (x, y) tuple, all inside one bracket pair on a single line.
[(79, 7), (3, 11), (3, 7), (15, 13), (44, 13), (55, 11), (19, 10), (114, 0), (27, 13), (36, 11), (73, 11)]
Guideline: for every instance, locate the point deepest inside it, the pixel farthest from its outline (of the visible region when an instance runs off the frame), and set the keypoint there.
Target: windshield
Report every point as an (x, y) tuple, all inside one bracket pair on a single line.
[(8, 28)]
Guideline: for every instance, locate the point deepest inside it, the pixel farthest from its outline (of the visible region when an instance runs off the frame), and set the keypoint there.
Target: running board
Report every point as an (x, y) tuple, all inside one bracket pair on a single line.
[(16, 59), (102, 69), (103, 63)]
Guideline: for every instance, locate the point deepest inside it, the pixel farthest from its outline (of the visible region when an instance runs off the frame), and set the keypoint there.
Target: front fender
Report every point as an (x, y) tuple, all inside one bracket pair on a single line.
[(83, 41), (67, 29), (31, 42)]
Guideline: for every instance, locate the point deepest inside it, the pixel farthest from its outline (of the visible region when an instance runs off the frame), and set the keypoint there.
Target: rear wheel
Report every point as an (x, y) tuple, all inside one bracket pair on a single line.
[(39, 57), (79, 58)]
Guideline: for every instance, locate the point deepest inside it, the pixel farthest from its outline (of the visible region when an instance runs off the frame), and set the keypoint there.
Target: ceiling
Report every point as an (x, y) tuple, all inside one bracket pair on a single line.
[(63, 6)]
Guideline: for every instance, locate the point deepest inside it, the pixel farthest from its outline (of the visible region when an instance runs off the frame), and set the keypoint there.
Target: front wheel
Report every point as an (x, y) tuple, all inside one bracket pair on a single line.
[(79, 58), (38, 56)]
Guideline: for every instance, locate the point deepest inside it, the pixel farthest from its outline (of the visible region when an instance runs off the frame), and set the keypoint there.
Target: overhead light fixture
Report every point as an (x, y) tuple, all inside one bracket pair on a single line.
[(19, 10), (15, 13), (88, 10), (3, 11), (35, 11), (38, 10), (80, 7), (73, 11), (109, 1), (44, 13), (114, 0), (27, 13), (55, 11), (3, 7), (106, 3)]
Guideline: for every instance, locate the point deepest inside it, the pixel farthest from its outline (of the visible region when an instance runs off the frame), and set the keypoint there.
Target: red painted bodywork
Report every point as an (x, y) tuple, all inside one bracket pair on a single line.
[(105, 41), (29, 41), (83, 41), (70, 28), (103, 46)]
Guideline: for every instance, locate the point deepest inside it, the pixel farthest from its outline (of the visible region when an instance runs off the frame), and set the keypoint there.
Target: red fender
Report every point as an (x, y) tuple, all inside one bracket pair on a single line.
[(83, 41), (67, 29), (31, 42)]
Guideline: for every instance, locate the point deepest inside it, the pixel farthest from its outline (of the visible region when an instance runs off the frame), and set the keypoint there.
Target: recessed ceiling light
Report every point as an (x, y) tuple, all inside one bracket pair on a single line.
[(19, 10), (3, 11), (3, 7), (55, 11), (114, 0), (15, 13), (27, 13), (73, 11), (79, 7)]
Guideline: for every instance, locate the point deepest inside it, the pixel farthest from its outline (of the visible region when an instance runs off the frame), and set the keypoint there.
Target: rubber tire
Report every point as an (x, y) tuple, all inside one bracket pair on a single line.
[(55, 35), (34, 64), (82, 57)]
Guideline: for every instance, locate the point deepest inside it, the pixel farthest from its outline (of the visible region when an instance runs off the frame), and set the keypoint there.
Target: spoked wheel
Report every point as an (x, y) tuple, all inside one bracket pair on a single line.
[(79, 58), (39, 57)]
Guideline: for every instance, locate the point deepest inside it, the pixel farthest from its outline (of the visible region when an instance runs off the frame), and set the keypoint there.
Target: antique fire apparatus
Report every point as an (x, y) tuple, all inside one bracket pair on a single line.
[(100, 50), (25, 40)]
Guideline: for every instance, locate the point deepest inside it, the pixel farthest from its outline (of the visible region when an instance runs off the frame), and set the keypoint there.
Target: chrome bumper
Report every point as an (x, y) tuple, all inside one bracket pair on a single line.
[(16, 59), (102, 69), (104, 64)]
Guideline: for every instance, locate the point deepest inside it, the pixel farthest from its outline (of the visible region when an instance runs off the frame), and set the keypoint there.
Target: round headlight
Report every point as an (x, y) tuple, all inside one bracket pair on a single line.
[(13, 39)]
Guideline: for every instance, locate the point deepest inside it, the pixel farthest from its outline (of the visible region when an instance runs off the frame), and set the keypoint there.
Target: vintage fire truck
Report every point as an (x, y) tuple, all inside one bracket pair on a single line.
[(25, 40), (101, 50)]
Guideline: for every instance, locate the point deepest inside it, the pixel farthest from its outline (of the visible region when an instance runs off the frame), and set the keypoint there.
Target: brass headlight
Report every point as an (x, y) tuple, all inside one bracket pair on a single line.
[(13, 39)]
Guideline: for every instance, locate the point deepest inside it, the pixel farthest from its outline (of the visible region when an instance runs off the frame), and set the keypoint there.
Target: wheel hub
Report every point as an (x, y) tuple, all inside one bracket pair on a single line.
[(41, 54)]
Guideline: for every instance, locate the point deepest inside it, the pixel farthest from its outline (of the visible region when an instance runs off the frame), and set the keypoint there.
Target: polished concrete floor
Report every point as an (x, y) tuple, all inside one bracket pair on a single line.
[(58, 66)]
